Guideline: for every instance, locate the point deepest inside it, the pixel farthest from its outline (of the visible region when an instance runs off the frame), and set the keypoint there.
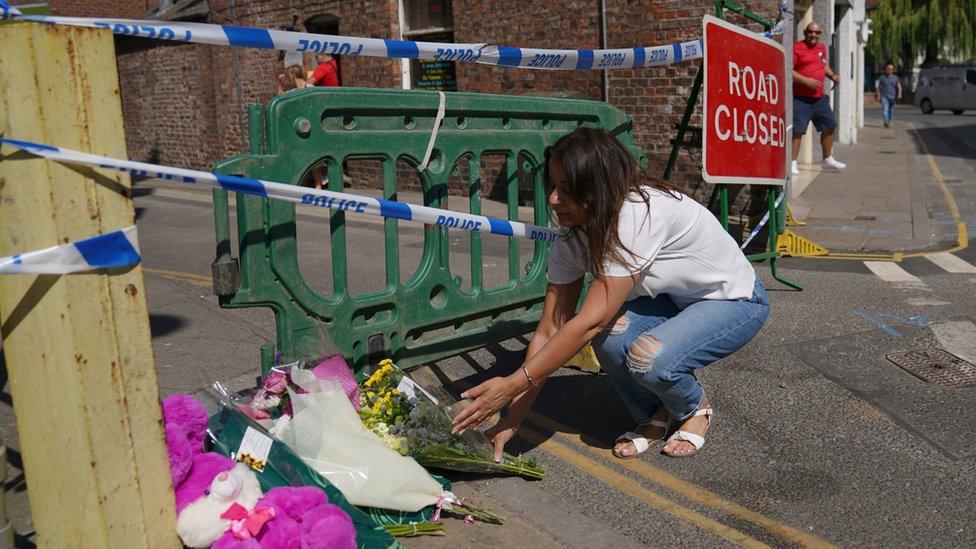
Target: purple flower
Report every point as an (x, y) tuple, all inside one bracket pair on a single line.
[(275, 383)]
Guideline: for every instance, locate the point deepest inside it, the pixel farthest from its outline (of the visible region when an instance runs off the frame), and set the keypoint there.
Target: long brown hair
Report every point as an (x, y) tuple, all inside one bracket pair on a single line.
[(600, 174)]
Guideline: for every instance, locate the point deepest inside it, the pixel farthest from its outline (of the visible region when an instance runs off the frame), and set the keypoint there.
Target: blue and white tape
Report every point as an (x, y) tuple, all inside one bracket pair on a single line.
[(293, 193), (230, 35), (762, 222), (106, 251)]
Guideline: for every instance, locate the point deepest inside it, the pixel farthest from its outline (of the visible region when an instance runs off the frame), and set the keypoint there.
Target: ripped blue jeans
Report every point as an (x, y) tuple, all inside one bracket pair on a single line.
[(652, 349)]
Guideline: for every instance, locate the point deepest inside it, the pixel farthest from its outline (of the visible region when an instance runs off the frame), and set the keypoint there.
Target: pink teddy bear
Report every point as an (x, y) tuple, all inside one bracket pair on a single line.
[(292, 517), (303, 519)]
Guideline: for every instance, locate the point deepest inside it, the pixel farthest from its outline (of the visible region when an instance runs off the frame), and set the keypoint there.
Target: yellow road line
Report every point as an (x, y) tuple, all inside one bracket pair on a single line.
[(896, 257), (687, 489), (962, 239), (630, 487), (626, 484), (179, 275)]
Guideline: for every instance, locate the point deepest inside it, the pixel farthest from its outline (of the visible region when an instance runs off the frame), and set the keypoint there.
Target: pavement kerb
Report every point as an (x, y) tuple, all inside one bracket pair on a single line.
[(962, 238)]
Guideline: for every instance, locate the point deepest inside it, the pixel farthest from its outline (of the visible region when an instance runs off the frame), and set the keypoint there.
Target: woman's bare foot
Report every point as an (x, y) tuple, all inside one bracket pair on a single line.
[(653, 433), (695, 424)]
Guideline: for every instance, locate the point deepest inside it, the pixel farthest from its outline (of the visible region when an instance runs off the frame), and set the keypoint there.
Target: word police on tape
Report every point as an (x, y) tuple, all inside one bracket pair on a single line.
[(293, 193), (231, 35)]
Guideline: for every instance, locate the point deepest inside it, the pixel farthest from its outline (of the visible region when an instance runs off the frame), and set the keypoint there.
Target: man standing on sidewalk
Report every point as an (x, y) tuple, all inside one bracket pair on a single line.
[(888, 90), (809, 101)]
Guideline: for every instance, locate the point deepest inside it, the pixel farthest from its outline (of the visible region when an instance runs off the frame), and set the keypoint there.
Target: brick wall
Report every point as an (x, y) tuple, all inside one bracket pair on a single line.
[(133, 9), (185, 104), (656, 96), (548, 24)]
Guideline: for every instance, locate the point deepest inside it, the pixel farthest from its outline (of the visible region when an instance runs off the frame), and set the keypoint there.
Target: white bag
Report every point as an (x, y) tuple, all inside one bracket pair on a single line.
[(326, 432)]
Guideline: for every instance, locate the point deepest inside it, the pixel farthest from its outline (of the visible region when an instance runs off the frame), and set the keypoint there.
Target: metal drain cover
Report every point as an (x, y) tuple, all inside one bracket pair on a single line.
[(936, 366)]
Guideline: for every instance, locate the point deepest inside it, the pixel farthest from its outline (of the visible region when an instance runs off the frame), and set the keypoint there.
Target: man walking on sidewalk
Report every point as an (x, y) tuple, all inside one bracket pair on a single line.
[(809, 102), (888, 90)]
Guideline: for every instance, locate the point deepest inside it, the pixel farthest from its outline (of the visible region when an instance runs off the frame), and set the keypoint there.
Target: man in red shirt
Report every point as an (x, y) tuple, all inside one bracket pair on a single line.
[(327, 73), (809, 102)]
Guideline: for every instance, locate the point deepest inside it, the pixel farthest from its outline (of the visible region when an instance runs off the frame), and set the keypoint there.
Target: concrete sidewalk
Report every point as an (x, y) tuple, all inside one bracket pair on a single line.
[(886, 200)]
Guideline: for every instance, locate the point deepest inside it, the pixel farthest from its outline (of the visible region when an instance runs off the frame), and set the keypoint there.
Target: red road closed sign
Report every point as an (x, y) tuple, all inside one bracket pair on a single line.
[(744, 129)]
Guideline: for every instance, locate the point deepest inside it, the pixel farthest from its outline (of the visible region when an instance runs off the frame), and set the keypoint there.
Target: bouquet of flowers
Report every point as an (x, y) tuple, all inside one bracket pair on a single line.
[(411, 422), (311, 419)]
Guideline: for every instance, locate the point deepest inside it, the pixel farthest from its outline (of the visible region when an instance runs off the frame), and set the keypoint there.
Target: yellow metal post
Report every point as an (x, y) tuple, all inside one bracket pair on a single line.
[(78, 347)]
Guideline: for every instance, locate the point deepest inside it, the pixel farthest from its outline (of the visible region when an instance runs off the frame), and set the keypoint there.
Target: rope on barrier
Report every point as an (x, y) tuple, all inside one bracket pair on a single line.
[(106, 251), (231, 35), (300, 195)]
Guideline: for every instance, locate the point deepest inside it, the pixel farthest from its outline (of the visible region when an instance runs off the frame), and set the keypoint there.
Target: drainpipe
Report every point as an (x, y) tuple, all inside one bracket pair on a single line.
[(404, 63), (603, 45)]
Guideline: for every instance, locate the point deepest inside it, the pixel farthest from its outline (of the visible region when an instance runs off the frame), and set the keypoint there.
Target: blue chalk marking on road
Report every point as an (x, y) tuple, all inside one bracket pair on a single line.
[(402, 48), (395, 210), (499, 226), (108, 251), (866, 316), (241, 184), (248, 36)]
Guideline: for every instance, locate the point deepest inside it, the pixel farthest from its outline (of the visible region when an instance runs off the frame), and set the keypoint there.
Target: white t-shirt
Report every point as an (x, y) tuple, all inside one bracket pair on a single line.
[(680, 249)]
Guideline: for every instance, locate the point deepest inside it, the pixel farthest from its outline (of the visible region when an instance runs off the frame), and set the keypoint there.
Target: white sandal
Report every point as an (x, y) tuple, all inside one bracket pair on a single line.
[(641, 444), (696, 440)]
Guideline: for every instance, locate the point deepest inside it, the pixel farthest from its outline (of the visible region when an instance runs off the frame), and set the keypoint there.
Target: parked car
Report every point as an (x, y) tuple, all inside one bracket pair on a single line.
[(949, 87)]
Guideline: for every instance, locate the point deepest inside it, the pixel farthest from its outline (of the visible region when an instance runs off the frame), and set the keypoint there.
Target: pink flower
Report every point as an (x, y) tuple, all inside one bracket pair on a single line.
[(275, 383)]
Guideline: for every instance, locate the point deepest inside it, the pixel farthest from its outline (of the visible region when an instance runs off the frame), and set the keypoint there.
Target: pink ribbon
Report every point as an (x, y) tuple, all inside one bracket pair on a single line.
[(441, 500), (244, 524), (437, 509)]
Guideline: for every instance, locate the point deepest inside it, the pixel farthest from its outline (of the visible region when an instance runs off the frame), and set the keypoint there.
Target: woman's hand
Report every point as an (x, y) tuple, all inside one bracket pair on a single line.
[(500, 434), (489, 397)]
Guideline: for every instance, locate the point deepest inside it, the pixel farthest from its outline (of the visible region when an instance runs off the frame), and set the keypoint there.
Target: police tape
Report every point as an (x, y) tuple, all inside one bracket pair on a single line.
[(293, 193), (762, 222), (231, 35), (106, 251)]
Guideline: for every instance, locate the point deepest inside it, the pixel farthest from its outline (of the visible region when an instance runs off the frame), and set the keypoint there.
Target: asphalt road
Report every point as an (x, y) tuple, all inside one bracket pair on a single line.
[(817, 438)]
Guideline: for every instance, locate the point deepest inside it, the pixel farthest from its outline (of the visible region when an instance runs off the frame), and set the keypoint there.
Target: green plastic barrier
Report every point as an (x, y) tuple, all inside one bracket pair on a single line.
[(434, 313)]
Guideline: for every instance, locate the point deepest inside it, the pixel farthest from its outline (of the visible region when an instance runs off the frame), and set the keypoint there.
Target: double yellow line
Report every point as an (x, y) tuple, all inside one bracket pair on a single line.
[(563, 443)]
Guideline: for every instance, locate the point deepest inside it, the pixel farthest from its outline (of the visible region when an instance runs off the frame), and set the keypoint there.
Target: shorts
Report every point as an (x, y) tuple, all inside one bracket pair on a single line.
[(816, 109)]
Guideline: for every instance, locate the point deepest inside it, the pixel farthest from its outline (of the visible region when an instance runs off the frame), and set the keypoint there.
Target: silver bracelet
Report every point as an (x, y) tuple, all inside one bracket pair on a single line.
[(526, 372)]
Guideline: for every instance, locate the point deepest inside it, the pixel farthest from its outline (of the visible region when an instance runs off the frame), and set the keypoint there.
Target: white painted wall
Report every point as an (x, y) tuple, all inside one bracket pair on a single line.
[(844, 65)]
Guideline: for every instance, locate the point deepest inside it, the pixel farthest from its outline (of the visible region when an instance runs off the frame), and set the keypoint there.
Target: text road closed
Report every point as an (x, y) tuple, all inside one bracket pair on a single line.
[(744, 127)]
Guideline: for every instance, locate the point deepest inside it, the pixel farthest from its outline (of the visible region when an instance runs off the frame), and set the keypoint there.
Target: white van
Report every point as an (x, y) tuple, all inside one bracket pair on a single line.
[(949, 87)]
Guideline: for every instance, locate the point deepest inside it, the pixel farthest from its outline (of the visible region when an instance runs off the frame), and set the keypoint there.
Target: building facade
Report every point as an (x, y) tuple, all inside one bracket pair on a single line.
[(185, 104), (844, 24)]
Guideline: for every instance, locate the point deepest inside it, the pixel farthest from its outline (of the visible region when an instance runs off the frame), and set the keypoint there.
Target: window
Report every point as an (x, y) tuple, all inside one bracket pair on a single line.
[(428, 15), (971, 77), (430, 21)]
